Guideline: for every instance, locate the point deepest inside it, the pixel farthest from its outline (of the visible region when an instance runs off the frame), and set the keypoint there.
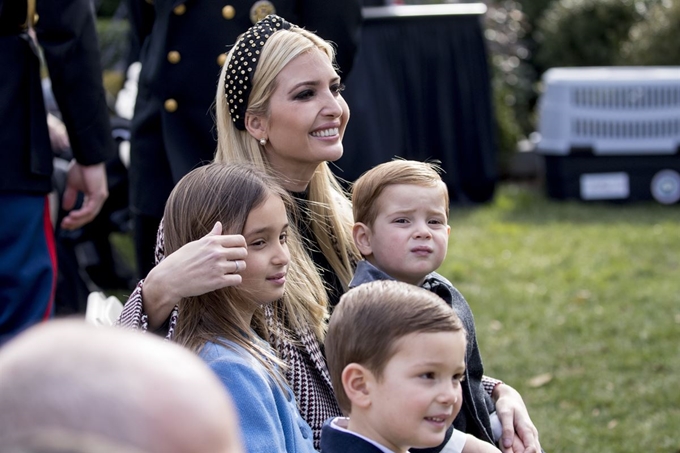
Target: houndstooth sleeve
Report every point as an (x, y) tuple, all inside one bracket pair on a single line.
[(133, 315), (489, 384)]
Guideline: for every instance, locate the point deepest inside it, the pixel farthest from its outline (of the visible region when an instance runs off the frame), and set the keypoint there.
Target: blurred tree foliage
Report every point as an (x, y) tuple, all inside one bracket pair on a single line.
[(584, 32), (527, 37), (654, 41)]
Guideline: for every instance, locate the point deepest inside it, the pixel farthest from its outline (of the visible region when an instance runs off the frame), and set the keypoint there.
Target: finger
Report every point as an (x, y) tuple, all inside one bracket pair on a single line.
[(508, 431), (92, 204), (216, 229), (78, 218), (238, 266), (231, 280), (529, 439), (69, 198), (231, 241)]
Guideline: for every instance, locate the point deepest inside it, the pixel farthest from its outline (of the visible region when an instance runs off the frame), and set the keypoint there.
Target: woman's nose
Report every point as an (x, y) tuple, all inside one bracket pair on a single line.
[(333, 105)]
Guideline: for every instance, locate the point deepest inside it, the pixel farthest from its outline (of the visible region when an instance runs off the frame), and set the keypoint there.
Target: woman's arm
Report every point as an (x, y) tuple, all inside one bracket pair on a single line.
[(514, 417), (196, 268)]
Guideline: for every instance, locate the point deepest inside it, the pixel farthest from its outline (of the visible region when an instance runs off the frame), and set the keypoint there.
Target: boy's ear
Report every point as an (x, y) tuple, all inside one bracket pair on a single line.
[(362, 238), (256, 125), (356, 381)]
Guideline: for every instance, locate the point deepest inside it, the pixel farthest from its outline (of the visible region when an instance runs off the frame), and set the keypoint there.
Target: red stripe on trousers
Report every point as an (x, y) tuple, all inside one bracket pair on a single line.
[(52, 250)]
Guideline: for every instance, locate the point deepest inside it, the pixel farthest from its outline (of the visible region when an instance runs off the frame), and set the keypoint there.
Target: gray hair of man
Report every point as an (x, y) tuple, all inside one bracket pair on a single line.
[(66, 384)]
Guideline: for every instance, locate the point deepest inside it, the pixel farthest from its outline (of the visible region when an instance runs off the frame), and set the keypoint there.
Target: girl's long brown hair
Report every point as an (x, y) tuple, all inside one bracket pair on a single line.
[(228, 193)]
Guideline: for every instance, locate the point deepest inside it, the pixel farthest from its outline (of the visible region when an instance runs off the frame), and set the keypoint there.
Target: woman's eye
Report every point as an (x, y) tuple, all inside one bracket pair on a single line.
[(338, 88), (306, 94)]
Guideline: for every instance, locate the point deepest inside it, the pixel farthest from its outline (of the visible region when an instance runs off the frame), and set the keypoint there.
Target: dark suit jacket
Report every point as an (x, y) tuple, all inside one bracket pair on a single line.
[(66, 32), (183, 44), (336, 441)]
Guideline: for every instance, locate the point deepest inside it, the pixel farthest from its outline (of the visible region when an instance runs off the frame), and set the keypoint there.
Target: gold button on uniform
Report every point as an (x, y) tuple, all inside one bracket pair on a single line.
[(179, 10), (174, 57), (221, 59), (228, 12), (170, 105)]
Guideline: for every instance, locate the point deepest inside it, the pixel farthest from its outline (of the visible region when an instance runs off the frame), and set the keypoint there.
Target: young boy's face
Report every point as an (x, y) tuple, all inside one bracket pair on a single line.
[(419, 394), (409, 236)]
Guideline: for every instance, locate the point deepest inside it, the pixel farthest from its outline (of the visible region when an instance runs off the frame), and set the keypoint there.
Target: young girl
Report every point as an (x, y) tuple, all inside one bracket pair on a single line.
[(228, 327)]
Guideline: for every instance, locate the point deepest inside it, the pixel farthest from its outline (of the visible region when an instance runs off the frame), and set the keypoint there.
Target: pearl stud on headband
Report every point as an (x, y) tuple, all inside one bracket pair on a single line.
[(244, 58)]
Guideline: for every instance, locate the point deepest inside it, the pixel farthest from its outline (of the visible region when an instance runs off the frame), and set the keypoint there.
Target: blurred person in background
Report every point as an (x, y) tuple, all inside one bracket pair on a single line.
[(67, 36), (66, 384)]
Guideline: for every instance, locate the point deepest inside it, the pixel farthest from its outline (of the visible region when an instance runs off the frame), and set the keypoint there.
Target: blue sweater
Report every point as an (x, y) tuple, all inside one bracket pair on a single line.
[(269, 417)]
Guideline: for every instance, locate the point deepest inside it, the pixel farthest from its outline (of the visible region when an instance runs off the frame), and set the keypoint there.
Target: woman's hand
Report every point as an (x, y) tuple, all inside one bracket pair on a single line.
[(201, 266), (519, 433)]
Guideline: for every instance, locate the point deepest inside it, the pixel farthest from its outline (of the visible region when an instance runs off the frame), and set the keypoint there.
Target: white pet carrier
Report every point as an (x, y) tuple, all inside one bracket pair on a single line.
[(611, 132)]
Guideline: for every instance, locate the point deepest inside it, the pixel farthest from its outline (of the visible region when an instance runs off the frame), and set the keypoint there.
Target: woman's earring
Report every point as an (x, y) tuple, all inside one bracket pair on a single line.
[(263, 141)]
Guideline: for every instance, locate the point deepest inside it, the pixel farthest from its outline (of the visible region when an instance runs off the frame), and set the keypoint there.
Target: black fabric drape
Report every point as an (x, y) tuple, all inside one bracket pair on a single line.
[(420, 89)]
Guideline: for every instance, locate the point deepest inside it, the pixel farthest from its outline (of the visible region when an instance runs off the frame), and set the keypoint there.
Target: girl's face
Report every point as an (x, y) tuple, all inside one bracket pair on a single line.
[(265, 231), (307, 116)]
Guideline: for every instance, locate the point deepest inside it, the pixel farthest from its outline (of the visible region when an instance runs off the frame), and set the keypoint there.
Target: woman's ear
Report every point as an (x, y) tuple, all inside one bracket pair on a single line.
[(356, 381), (362, 238), (256, 126)]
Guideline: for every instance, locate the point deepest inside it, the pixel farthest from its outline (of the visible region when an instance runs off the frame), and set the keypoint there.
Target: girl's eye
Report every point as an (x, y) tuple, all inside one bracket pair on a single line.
[(400, 221), (305, 94), (338, 88), (429, 375), (283, 238), (257, 243), (459, 377), (435, 222)]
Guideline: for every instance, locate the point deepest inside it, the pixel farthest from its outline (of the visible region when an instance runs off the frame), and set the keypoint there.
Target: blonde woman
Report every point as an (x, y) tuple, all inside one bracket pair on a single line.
[(290, 123)]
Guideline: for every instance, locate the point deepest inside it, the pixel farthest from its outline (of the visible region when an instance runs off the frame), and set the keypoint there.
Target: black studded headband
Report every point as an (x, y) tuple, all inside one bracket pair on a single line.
[(239, 77)]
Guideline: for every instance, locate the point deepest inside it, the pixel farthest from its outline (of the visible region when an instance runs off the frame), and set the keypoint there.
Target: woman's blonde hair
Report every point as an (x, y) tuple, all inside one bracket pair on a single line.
[(330, 210), (228, 193)]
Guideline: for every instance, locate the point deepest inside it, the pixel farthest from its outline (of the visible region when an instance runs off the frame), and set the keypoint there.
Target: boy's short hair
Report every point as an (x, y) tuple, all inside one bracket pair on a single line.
[(369, 320), (370, 185)]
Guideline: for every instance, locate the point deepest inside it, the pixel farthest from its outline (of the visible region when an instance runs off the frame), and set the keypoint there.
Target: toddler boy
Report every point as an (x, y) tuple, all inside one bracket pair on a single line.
[(396, 355), (401, 213)]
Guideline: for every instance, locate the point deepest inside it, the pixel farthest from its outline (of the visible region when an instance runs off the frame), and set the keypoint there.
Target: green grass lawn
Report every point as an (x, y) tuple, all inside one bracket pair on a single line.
[(577, 305)]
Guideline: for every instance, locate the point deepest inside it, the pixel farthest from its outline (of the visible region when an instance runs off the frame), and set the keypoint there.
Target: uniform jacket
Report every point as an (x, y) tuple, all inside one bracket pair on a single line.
[(477, 404), (268, 415), (183, 46), (66, 32)]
